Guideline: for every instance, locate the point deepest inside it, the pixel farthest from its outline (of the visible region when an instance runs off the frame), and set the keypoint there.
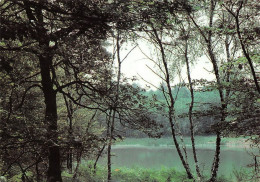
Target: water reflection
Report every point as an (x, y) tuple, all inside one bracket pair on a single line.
[(156, 157)]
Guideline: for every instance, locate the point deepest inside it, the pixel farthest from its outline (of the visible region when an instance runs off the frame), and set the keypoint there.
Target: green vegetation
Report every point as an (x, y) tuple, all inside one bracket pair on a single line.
[(137, 174), (86, 173), (64, 97)]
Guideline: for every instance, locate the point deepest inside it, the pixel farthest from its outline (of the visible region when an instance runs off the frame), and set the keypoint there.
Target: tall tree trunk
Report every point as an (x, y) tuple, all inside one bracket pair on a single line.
[(109, 121), (114, 109), (171, 105), (215, 164), (54, 170), (45, 59), (213, 59), (208, 40), (190, 112)]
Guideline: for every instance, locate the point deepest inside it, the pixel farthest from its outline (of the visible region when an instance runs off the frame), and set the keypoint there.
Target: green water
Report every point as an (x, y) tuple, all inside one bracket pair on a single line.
[(156, 157)]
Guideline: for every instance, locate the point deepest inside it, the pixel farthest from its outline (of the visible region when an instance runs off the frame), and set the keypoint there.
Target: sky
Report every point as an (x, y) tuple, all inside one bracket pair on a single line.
[(135, 65)]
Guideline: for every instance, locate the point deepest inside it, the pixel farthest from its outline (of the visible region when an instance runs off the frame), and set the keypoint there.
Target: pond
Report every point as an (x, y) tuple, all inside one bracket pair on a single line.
[(231, 158)]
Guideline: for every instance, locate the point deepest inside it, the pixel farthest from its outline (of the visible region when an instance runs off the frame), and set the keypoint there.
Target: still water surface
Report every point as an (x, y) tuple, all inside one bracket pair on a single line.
[(158, 157)]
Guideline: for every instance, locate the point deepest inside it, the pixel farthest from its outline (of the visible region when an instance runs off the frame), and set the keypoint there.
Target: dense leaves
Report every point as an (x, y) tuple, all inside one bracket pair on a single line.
[(62, 97)]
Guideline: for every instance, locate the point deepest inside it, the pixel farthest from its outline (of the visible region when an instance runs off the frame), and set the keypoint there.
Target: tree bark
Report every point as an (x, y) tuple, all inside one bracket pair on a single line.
[(215, 164), (70, 132), (190, 112), (98, 156), (247, 56), (213, 59), (171, 106), (114, 109), (111, 131), (45, 60), (245, 52), (208, 40), (54, 170), (177, 146)]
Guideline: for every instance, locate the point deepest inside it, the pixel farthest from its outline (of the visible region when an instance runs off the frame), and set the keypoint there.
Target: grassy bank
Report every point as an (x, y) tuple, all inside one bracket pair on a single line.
[(86, 173), (163, 174)]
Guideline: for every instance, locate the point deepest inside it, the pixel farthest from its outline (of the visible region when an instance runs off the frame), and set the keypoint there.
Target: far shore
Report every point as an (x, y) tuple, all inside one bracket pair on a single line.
[(202, 142)]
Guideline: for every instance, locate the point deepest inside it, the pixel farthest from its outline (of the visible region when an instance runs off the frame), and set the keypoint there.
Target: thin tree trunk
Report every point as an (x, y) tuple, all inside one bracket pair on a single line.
[(246, 54), (37, 172), (70, 131), (208, 41), (99, 154), (190, 112), (185, 165), (227, 44), (79, 153), (109, 163), (171, 107), (109, 175), (215, 164), (108, 146)]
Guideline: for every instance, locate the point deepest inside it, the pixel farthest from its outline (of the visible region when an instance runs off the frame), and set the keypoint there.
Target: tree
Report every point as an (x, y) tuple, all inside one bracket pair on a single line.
[(185, 52), (245, 34), (207, 37), (62, 39), (156, 37), (55, 70), (19, 117), (219, 30), (39, 28)]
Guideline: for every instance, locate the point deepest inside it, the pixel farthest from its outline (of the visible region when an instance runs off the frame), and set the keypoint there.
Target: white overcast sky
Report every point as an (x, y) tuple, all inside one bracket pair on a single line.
[(135, 65)]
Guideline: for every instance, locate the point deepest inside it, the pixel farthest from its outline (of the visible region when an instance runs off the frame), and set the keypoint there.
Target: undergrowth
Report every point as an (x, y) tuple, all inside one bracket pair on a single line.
[(87, 173)]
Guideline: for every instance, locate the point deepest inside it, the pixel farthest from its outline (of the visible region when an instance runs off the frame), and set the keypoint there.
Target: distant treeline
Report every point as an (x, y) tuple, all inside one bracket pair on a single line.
[(204, 119)]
